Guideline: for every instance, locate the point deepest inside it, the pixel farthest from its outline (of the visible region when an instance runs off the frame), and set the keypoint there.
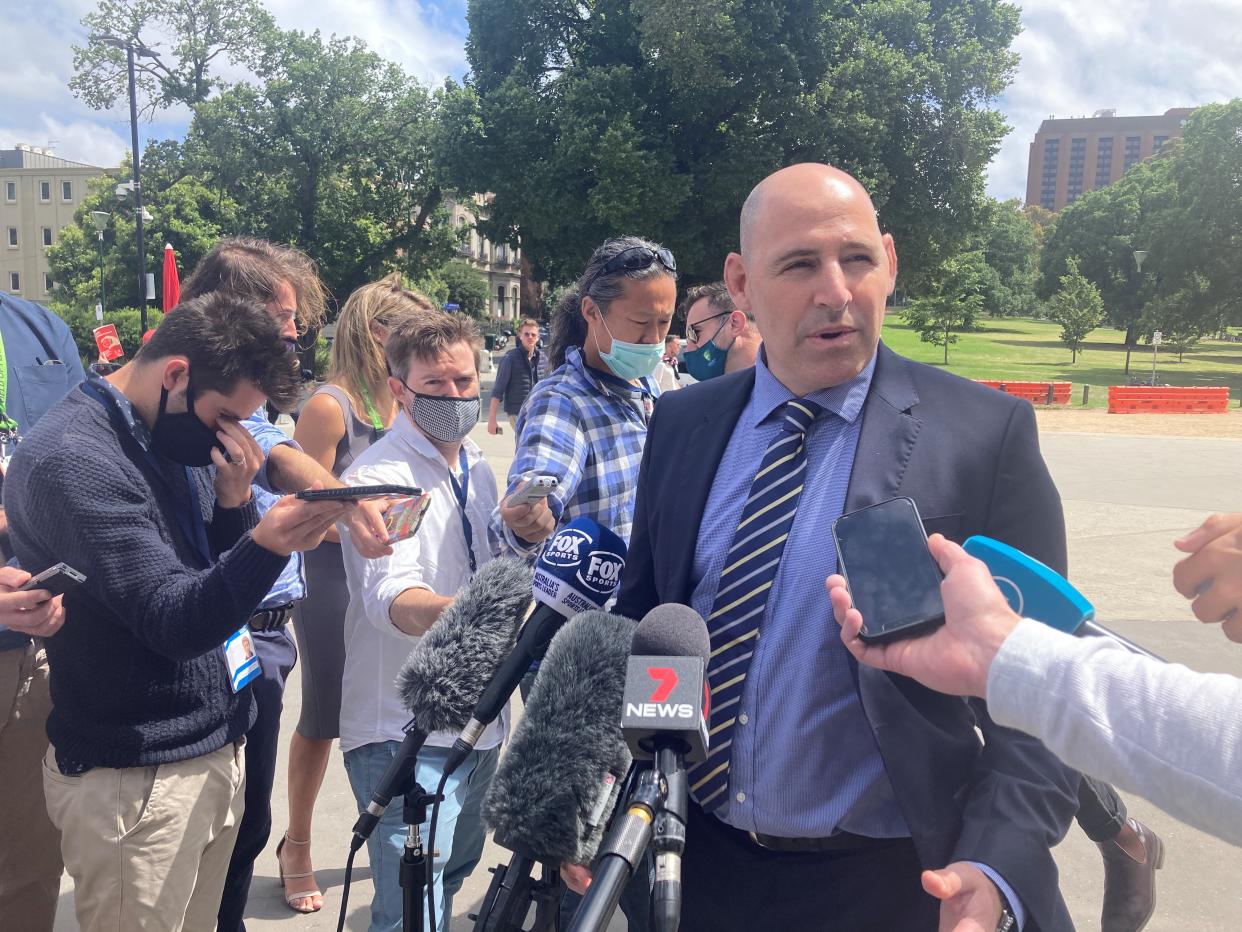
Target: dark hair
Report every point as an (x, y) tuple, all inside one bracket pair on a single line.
[(568, 327), (255, 268), (428, 335), (717, 295), (227, 340)]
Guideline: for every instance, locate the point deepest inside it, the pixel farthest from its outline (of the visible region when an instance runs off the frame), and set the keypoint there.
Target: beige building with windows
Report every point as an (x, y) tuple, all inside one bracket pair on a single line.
[(501, 264), (1072, 156), (39, 193)]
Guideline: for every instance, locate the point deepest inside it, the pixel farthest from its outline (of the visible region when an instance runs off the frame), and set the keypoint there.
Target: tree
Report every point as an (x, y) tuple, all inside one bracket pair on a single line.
[(466, 287), (337, 151), (953, 304), (1009, 247), (659, 116), (203, 34), (1077, 307), (1181, 315)]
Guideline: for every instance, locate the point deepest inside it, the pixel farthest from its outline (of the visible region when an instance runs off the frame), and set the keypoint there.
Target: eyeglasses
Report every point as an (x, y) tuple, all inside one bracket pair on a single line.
[(632, 260), (694, 329)]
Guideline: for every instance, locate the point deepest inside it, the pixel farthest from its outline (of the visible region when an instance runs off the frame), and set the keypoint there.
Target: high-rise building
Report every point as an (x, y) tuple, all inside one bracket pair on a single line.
[(39, 193), (1072, 156)]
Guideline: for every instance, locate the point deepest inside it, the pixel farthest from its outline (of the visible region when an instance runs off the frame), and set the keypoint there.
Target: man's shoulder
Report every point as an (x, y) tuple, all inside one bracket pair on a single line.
[(702, 397), (935, 386)]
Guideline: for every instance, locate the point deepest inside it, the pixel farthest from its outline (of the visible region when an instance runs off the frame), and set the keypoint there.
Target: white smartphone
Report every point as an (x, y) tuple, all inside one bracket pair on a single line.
[(531, 490)]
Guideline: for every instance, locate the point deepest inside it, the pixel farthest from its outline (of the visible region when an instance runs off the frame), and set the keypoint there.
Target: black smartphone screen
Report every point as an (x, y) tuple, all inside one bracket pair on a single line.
[(893, 580), (358, 493)]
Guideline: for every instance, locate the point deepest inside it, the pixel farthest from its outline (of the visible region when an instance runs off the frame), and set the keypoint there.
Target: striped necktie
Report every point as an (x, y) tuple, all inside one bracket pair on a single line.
[(750, 569)]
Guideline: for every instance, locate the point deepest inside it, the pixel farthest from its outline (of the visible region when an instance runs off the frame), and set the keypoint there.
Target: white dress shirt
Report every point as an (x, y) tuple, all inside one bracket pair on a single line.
[(434, 558)]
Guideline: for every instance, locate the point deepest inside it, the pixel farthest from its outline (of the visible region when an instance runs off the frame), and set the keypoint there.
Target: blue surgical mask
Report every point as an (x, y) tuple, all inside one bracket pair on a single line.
[(708, 361), (630, 361)]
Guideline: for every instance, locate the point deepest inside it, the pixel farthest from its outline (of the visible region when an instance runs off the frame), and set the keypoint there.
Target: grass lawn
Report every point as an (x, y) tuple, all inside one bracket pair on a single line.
[(1029, 350)]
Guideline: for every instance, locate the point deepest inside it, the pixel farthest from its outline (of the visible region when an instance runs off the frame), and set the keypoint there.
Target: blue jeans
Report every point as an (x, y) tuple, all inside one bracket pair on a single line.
[(459, 830), (277, 656)]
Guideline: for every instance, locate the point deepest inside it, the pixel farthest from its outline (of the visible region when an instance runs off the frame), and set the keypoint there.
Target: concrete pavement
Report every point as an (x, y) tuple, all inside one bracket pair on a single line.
[(1126, 498)]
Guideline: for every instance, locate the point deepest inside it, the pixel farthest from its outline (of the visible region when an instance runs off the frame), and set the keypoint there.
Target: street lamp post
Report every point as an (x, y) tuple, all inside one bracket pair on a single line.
[(100, 219), (132, 46), (1139, 256)]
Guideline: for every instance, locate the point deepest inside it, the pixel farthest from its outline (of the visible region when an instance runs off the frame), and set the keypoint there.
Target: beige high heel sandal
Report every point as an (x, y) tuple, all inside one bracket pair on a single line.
[(284, 878)]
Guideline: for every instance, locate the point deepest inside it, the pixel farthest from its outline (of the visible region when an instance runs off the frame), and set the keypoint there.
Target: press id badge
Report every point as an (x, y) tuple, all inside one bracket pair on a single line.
[(242, 659)]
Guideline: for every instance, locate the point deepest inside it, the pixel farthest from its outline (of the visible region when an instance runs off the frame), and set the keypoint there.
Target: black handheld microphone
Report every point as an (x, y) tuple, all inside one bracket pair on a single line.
[(667, 709), (577, 572), (559, 780), (448, 668)]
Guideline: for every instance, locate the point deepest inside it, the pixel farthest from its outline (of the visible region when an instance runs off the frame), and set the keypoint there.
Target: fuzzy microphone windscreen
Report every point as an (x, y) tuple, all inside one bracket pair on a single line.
[(448, 669), (558, 782)]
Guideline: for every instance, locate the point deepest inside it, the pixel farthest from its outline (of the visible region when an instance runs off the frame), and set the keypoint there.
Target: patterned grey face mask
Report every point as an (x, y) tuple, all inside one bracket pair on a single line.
[(443, 418)]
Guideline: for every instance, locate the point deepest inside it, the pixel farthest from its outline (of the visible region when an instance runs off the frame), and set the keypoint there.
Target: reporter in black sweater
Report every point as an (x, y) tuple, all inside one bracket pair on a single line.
[(144, 773)]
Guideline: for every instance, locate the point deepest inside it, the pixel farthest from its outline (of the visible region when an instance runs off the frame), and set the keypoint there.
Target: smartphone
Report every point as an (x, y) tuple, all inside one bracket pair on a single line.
[(893, 580), (404, 517), (358, 493), (57, 579), (532, 489)]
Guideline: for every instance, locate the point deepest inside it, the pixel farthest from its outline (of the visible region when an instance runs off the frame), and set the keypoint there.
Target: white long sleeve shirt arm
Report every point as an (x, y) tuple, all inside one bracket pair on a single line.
[(1162, 731)]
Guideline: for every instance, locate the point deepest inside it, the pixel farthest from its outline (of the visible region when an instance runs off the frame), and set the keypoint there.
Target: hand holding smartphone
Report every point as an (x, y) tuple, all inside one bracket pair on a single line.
[(532, 489), (57, 580), (358, 493), (893, 580)]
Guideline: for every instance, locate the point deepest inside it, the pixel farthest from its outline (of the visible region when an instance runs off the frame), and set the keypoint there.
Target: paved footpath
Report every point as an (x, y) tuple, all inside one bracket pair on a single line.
[(1126, 498)]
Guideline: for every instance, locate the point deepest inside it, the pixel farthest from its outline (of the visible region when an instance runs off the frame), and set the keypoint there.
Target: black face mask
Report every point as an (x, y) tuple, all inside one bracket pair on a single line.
[(183, 438)]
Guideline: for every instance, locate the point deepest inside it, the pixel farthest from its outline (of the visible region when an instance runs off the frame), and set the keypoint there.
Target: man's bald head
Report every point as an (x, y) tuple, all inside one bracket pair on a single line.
[(794, 185)]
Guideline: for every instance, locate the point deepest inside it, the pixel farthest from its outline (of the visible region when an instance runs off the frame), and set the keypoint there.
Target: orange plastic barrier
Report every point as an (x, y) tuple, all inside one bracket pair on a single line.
[(1034, 392), (1167, 399)]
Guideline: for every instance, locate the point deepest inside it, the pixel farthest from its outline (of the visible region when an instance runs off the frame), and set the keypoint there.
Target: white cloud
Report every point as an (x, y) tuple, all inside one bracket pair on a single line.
[(1134, 56)]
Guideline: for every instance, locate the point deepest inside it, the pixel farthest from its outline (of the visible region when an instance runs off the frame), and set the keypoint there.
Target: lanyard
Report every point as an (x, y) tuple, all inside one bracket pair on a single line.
[(191, 522), (376, 423), (461, 490), (7, 424)]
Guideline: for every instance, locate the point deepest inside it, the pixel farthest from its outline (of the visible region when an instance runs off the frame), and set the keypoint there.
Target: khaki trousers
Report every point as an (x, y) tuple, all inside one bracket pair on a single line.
[(30, 865), (148, 847)]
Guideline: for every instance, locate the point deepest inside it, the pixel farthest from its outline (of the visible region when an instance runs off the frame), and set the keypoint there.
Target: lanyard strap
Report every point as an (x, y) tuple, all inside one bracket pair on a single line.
[(372, 413), (191, 521), (461, 490), (7, 424)]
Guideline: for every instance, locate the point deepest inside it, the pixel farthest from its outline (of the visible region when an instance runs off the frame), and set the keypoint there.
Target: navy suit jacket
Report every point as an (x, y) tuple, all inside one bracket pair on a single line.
[(969, 457)]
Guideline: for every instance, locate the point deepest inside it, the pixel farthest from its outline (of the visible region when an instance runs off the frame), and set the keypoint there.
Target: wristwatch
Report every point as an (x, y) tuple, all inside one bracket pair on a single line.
[(1007, 921)]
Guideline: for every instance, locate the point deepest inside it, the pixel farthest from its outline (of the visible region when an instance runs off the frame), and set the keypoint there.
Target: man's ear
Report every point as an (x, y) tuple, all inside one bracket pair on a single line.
[(176, 373), (735, 281), (589, 308), (395, 386)]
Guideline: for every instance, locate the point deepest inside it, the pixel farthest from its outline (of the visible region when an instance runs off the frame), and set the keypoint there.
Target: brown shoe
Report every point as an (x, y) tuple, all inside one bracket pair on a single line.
[(1130, 864)]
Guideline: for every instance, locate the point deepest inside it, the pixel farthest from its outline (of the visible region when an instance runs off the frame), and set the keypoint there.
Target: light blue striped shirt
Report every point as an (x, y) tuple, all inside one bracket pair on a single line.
[(804, 761), (289, 586)]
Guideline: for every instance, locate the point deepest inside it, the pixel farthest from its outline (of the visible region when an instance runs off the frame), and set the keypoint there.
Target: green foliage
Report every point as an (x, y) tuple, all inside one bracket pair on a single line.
[(467, 287), (82, 324), (434, 287), (1077, 307), (1179, 315), (1011, 251), (182, 40), (658, 117), (953, 304)]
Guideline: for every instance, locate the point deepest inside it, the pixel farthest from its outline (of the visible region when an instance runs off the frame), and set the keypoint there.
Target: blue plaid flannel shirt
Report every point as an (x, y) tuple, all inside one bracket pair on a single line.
[(587, 428)]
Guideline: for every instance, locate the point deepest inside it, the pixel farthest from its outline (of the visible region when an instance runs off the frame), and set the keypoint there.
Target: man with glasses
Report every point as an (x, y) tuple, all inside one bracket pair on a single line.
[(521, 368), (719, 337)]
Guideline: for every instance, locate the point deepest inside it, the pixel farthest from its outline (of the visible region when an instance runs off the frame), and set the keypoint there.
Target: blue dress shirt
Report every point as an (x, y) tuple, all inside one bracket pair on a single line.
[(804, 761), (290, 586)]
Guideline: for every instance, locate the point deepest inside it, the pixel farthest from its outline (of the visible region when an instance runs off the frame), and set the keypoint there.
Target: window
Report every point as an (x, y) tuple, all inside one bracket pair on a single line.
[(47, 236), (66, 190), (1132, 151), (500, 301), (1103, 161), (12, 237), (1157, 143), (10, 191), (15, 283), (45, 190), (47, 283)]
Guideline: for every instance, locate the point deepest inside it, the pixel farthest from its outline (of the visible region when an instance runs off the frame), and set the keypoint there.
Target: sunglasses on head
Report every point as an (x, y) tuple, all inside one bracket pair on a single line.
[(632, 260)]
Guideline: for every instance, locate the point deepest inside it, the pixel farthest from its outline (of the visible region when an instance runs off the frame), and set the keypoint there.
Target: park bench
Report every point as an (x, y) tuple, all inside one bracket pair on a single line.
[(1167, 399), (1034, 392)]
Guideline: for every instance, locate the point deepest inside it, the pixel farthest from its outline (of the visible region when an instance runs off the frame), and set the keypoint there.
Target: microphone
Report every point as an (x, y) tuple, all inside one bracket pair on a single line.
[(666, 713), (1037, 591), (448, 668), (577, 572), (559, 780)]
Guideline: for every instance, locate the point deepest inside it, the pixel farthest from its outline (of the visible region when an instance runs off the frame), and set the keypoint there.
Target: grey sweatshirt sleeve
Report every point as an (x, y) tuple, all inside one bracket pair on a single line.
[(1159, 730)]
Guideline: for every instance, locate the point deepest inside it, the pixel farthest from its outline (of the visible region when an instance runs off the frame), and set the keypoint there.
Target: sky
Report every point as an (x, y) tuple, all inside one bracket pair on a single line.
[(1134, 56)]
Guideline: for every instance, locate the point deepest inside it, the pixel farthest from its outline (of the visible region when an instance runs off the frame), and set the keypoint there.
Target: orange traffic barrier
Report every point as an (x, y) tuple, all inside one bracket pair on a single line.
[(1167, 399), (1034, 392)]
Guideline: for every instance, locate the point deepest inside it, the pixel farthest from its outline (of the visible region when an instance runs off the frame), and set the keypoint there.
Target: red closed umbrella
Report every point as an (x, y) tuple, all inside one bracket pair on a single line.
[(172, 282)]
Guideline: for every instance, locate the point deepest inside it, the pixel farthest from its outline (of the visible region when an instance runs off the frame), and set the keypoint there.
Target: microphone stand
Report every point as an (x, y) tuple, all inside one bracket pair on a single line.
[(511, 892), (669, 835), (621, 854), (413, 870)]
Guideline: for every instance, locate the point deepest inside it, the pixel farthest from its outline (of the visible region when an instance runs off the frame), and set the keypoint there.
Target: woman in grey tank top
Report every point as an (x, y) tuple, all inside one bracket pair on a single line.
[(342, 418)]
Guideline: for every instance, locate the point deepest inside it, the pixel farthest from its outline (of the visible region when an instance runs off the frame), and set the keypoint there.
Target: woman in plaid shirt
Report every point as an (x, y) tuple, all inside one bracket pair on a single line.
[(585, 424)]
